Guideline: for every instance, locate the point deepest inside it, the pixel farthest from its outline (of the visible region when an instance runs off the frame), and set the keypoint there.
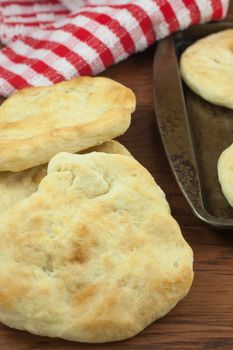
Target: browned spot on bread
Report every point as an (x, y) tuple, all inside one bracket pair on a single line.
[(39, 202), (107, 263), (81, 230), (131, 243), (11, 290), (108, 304), (79, 254), (82, 295), (37, 221), (83, 241)]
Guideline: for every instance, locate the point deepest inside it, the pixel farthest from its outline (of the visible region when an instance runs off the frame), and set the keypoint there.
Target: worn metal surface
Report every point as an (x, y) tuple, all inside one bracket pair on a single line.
[(194, 132)]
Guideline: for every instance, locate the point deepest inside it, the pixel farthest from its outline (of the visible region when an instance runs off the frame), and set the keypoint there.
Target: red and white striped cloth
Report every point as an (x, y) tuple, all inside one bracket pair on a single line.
[(49, 41)]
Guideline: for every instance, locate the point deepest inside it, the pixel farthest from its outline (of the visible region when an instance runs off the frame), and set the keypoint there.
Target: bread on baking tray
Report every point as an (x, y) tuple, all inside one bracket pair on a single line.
[(16, 186), (225, 173), (94, 254), (207, 67), (36, 123)]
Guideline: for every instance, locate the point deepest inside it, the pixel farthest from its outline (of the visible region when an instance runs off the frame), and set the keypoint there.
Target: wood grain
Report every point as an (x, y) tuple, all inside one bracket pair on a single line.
[(204, 319)]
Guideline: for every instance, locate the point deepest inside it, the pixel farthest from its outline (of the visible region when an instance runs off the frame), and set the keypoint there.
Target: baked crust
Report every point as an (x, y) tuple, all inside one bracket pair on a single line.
[(37, 123), (14, 187), (225, 173), (96, 253), (207, 68)]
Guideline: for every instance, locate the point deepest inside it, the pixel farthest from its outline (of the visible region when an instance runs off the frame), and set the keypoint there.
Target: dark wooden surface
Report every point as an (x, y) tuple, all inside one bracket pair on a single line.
[(204, 319)]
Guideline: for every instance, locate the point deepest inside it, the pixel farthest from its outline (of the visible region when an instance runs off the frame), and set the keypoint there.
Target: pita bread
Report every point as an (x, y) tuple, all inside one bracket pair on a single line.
[(37, 123), (225, 173), (16, 186), (96, 253), (207, 68)]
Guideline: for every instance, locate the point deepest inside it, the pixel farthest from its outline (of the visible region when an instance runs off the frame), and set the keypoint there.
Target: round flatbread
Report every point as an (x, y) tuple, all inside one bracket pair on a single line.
[(207, 68), (96, 253), (225, 173), (16, 186), (38, 122)]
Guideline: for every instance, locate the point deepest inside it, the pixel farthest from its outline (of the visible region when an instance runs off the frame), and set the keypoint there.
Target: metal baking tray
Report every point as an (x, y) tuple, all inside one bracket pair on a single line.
[(194, 132)]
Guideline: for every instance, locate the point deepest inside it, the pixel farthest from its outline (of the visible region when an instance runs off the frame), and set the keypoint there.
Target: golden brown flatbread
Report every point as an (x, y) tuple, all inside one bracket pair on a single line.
[(207, 68), (225, 173), (37, 123), (94, 254)]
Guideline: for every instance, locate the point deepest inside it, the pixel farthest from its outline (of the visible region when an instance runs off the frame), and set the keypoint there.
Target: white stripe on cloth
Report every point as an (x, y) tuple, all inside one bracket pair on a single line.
[(182, 13), (13, 10), (39, 17), (7, 33), (74, 5), (205, 8)]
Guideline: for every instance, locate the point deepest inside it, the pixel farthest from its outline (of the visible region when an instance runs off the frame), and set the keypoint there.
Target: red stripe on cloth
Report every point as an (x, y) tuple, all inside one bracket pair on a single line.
[(35, 64), (61, 50), (115, 27), (194, 10), (91, 40), (28, 24), (168, 14), (142, 18), (217, 9), (13, 79)]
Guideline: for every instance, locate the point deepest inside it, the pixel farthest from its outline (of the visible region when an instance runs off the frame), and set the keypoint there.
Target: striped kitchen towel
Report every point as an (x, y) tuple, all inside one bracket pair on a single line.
[(47, 41)]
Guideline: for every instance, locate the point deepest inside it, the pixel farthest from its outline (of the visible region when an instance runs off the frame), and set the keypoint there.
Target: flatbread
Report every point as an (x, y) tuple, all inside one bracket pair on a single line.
[(225, 173), (96, 253), (16, 186), (207, 68), (37, 123)]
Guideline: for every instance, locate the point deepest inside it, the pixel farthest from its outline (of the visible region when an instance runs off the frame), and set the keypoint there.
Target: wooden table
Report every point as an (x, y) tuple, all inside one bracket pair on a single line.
[(204, 319)]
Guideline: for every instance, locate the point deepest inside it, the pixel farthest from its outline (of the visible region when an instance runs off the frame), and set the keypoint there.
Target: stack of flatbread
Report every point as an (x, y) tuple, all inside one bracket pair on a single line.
[(88, 249), (207, 68)]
